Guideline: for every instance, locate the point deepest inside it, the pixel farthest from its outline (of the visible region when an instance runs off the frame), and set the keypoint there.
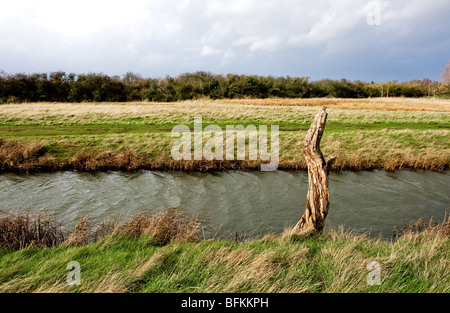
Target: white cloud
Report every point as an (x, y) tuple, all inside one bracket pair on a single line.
[(208, 51), (183, 4), (173, 27)]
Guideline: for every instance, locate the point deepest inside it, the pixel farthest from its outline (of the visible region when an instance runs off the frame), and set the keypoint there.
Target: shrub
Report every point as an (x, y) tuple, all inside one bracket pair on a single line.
[(62, 87)]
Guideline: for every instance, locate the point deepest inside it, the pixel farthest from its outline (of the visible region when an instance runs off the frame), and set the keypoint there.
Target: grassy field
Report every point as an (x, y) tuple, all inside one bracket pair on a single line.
[(143, 256), (366, 134)]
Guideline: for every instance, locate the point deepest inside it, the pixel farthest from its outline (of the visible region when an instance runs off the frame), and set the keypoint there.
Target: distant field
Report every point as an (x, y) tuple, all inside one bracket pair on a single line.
[(385, 104), (384, 133)]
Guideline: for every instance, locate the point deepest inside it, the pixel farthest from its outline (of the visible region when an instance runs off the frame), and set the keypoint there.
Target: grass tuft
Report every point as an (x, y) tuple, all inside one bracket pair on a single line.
[(421, 226), (29, 230), (168, 226)]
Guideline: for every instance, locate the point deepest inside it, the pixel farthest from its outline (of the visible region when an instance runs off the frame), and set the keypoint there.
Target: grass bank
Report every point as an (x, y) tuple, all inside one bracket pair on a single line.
[(165, 253), (387, 134)]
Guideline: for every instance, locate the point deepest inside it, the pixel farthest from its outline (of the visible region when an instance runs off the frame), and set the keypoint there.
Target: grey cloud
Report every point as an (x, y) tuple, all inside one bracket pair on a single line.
[(320, 39)]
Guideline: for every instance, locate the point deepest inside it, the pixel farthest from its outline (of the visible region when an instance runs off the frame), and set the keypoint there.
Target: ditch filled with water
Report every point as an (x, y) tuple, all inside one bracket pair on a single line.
[(245, 203)]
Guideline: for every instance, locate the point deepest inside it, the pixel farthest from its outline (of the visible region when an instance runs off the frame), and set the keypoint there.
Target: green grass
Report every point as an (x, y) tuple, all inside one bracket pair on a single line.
[(290, 263), (362, 138), (12, 131)]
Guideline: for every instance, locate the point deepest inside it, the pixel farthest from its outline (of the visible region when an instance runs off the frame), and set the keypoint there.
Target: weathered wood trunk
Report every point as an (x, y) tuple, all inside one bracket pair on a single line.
[(317, 201)]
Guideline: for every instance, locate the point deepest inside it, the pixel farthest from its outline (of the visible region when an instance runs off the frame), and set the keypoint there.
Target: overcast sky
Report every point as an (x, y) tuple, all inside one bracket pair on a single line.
[(315, 38)]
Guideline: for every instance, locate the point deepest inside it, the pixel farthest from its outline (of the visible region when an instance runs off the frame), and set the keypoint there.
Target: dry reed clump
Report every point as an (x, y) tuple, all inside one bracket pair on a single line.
[(29, 230), (131, 161), (107, 160), (166, 164), (433, 162), (19, 155), (168, 226), (422, 227), (86, 232)]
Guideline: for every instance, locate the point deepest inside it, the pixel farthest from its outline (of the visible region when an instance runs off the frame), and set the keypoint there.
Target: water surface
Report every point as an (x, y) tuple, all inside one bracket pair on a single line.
[(253, 203)]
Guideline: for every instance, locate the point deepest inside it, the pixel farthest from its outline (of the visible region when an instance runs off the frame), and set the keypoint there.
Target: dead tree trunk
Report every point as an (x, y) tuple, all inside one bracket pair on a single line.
[(317, 201)]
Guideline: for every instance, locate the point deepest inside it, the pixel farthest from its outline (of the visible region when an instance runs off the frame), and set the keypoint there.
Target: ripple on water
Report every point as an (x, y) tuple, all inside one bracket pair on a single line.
[(250, 202)]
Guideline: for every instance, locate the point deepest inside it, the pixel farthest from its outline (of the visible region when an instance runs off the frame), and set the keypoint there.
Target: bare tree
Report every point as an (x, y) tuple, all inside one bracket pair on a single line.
[(317, 201), (445, 75)]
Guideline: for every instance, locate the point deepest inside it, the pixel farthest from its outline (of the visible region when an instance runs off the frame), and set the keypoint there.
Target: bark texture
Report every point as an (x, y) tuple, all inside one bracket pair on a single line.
[(318, 198)]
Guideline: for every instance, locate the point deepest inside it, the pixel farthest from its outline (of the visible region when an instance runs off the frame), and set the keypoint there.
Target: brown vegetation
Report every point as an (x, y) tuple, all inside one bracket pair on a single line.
[(24, 156), (89, 161), (378, 104), (28, 230), (421, 226), (168, 226), (36, 230), (17, 156), (86, 232)]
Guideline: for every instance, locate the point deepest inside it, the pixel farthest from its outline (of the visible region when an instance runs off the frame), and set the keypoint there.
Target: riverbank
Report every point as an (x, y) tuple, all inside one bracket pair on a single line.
[(166, 254), (385, 134)]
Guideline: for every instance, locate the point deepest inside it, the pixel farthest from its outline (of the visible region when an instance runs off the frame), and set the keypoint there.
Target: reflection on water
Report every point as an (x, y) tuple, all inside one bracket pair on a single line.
[(249, 202)]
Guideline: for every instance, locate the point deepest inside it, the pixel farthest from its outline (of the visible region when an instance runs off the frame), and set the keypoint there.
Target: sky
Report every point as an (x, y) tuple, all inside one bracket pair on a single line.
[(354, 39)]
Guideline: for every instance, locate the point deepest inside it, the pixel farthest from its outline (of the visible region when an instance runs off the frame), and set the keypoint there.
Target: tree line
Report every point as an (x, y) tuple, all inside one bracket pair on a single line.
[(98, 87)]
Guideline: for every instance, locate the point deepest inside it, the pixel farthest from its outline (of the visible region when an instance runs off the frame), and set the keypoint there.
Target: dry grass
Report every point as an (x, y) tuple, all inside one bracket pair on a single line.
[(29, 230), (169, 226), (339, 265), (106, 160), (86, 232), (128, 261), (365, 150), (384, 104), (24, 155), (274, 110), (17, 156), (387, 134), (421, 226)]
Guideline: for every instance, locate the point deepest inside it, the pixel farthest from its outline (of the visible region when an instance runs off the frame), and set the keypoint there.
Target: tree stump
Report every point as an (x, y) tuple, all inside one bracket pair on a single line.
[(318, 200)]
